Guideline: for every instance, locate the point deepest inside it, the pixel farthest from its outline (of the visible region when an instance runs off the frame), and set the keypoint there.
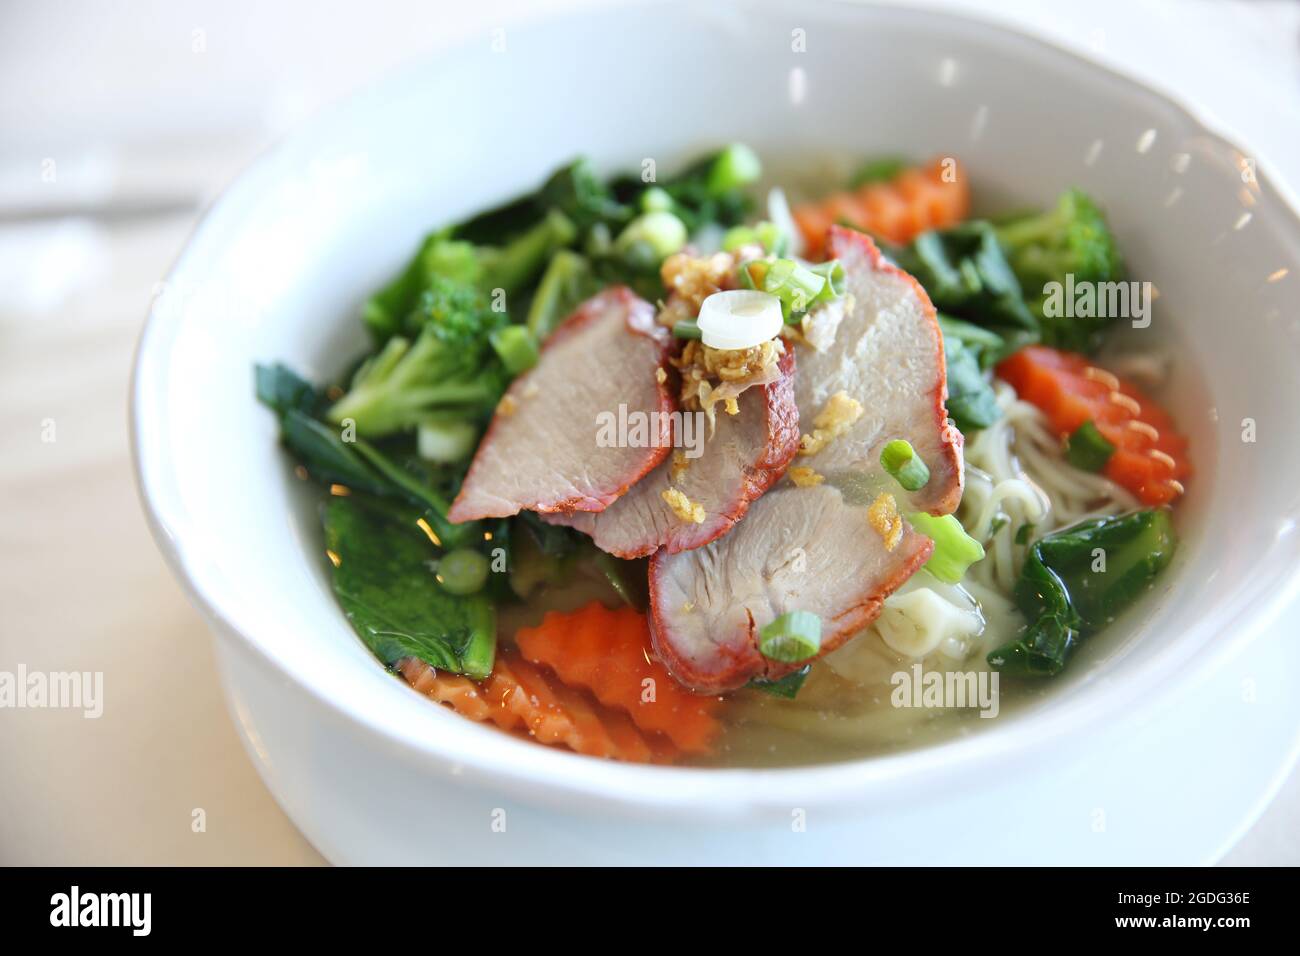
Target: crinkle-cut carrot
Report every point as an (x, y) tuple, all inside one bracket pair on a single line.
[(1150, 457), (608, 652), (522, 698), (898, 210), (459, 692)]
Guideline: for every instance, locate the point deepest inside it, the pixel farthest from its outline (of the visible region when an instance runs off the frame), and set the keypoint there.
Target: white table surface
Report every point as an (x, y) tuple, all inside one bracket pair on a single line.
[(146, 109)]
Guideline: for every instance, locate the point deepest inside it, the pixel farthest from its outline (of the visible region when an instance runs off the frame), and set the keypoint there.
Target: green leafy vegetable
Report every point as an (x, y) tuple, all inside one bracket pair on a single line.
[(878, 170), (281, 389), (966, 275), (540, 553), (786, 687), (1087, 448), (972, 403), (712, 190), (1076, 581), (357, 465), (628, 579), (577, 192), (1071, 238), (954, 550), (567, 282), (385, 585), (327, 458), (985, 344)]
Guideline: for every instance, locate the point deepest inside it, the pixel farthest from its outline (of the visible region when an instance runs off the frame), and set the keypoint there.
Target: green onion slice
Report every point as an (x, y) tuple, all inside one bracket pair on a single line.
[(954, 549), (463, 571), (735, 166), (797, 286), (1088, 448), (900, 459), (687, 329), (794, 636), (833, 273)]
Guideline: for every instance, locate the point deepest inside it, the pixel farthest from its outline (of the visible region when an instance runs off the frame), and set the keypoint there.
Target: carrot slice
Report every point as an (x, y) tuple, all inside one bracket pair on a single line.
[(522, 698), (1150, 457), (609, 653), (898, 210)]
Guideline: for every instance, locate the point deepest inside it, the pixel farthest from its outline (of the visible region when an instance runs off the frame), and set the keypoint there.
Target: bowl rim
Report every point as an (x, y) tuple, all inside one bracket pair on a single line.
[(543, 774)]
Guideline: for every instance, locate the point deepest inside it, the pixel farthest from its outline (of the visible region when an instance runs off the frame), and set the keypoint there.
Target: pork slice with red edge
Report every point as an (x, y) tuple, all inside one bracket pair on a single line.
[(746, 453), (815, 548), (541, 452)]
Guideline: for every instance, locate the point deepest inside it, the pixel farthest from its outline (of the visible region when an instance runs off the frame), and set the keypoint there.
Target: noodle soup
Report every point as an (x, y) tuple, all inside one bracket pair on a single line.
[(870, 487)]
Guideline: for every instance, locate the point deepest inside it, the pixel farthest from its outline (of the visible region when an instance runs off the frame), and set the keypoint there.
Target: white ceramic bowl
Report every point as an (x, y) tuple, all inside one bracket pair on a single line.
[(371, 771)]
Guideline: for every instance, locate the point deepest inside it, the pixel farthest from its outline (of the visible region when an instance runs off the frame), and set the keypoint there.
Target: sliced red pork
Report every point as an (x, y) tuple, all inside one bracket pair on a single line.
[(543, 451), (832, 544), (746, 453)]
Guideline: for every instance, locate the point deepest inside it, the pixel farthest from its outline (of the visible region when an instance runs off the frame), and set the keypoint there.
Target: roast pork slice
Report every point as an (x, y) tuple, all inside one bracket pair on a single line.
[(798, 548), (888, 355), (816, 548), (547, 448), (746, 453)]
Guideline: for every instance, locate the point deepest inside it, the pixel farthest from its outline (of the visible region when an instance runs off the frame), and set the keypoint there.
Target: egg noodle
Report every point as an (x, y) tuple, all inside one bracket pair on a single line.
[(1018, 487)]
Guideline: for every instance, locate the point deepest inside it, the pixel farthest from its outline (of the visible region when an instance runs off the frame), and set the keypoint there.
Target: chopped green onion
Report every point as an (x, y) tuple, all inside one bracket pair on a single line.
[(737, 165), (770, 236), (516, 346), (656, 199), (794, 284), (833, 273), (1088, 448), (900, 459), (687, 329), (462, 571), (446, 442), (954, 549), (785, 687), (794, 636), (652, 235)]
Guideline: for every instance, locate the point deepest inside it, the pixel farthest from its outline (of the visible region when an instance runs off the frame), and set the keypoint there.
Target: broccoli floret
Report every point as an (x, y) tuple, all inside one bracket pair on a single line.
[(509, 267), (1071, 238), (455, 309), (449, 365)]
